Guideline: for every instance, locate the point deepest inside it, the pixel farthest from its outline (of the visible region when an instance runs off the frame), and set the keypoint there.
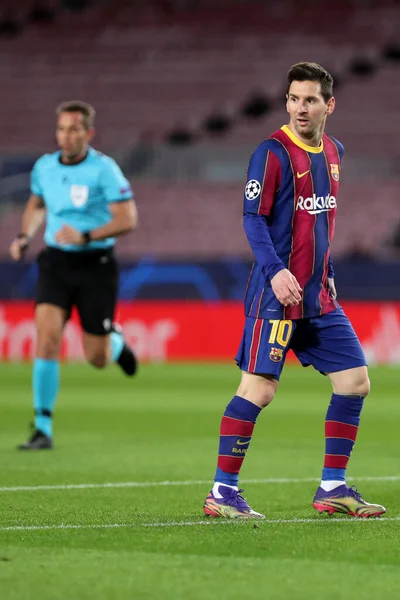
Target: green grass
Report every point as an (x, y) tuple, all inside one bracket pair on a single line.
[(163, 427)]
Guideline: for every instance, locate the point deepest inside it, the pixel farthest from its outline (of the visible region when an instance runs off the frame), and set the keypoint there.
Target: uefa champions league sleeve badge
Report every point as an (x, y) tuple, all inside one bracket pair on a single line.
[(252, 189)]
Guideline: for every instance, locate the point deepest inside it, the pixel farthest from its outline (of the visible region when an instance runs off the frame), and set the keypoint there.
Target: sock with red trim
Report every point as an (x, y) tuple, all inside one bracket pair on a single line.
[(235, 435), (341, 428)]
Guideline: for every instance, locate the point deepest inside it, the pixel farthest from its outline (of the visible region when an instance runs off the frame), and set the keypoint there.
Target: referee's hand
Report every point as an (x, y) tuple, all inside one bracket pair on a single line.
[(18, 247), (69, 235), (286, 288)]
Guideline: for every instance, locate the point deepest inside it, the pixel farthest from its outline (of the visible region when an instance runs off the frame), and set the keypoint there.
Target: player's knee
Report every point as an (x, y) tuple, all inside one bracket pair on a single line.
[(266, 397), (351, 382), (266, 393), (363, 386), (98, 359), (48, 345), (360, 384), (258, 390)]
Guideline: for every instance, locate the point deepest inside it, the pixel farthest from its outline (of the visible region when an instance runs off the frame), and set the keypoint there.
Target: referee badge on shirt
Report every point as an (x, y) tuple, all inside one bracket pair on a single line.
[(335, 171), (79, 195)]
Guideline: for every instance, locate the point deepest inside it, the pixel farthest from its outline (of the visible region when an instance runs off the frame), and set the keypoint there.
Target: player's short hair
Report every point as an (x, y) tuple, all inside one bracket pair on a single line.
[(310, 71), (87, 111)]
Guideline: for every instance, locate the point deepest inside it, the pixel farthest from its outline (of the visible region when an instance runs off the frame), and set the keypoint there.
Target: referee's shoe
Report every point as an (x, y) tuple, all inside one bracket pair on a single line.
[(127, 359), (37, 441)]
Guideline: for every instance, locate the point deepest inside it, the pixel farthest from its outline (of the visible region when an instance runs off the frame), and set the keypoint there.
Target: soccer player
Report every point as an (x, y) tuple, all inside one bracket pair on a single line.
[(290, 204), (86, 202)]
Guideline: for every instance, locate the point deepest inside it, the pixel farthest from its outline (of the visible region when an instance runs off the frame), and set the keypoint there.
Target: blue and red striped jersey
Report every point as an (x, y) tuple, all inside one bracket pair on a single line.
[(290, 204)]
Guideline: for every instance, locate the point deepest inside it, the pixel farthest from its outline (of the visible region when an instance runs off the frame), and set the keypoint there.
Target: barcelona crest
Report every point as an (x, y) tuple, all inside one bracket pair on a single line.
[(276, 354), (335, 171)]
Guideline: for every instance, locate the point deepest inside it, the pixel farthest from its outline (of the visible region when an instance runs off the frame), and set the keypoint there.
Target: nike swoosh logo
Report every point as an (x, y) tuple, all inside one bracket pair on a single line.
[(300, 175), (240, 443)]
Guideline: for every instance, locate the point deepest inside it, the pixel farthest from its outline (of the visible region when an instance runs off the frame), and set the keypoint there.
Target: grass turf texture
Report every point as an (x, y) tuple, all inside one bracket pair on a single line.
[(163, 426)]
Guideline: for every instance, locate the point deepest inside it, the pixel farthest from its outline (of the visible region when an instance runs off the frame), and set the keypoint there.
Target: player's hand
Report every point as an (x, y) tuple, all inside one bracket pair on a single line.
[(286, 288), (69, 235), (18, 247), (332, 287)]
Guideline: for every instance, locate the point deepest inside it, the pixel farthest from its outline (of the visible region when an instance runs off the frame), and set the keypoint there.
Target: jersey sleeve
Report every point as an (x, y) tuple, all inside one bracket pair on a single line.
[(331, 272), (263, 180), (115, 186), (260, 241), (35, 180)]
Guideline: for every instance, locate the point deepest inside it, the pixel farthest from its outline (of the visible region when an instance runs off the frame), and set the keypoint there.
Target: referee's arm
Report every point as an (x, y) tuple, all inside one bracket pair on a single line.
[(124, 218), (32, 219)]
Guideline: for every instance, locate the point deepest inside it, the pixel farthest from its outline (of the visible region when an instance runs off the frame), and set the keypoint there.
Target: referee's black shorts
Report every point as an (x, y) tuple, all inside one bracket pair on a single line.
[(87, 280)]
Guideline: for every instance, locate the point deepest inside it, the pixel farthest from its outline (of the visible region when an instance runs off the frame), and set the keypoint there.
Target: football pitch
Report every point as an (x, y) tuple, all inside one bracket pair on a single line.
[(115, 511)]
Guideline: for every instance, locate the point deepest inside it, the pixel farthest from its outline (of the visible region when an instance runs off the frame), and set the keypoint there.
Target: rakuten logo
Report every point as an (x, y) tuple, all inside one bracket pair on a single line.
[(316, 204)]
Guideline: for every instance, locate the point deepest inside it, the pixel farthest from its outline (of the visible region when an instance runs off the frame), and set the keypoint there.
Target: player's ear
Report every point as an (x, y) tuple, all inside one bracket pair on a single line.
[(330, 106), (287, 100)]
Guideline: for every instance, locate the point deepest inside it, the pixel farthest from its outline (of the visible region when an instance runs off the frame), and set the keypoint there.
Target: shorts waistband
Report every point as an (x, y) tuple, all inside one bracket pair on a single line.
[(79, 257)]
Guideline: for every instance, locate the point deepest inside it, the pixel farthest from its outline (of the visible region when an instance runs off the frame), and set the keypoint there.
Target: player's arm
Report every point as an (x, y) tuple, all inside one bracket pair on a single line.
[(331, 272), (32, 219), (331, 279), (263, 182)]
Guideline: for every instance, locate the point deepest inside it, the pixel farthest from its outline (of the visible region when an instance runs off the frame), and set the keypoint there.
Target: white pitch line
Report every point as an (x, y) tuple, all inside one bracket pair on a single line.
[(214, 523), (149, 484)]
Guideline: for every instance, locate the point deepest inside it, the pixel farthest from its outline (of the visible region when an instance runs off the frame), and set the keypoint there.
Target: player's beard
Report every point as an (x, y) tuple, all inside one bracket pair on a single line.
[(310, 131), (307, 133)]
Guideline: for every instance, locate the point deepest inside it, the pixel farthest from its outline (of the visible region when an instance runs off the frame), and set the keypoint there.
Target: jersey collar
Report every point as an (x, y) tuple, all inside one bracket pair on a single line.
[(89, 151), (301, 144)]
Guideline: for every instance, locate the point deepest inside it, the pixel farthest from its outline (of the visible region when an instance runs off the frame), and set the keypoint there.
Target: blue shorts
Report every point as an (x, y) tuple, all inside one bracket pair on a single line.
[(328, 343)]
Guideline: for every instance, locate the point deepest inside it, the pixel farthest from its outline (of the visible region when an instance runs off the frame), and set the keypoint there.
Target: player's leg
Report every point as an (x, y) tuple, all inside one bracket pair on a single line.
[(255, 392), (261, 357), (332, 347), (350, 388), (96, 299), (51, 313)]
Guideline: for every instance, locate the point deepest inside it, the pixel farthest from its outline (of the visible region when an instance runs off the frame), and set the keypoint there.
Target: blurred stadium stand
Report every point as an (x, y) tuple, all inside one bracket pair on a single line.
[(126, 56), (201, 220), (208, 76)]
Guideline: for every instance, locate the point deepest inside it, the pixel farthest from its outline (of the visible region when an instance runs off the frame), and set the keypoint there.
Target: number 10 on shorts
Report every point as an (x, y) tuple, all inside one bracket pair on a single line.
[(281, 332)]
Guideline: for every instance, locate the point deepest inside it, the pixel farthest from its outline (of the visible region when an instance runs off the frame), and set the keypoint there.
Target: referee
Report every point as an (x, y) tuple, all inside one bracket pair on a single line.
[(86, 202)]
